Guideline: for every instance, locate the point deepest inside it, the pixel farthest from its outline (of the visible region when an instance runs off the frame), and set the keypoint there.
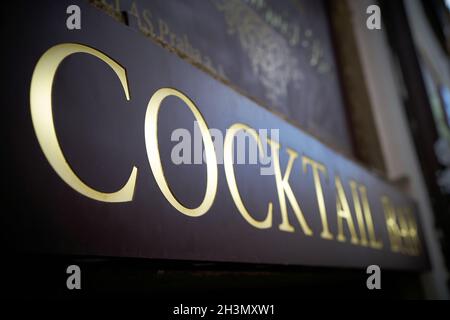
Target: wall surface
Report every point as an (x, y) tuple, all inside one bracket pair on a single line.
[(385, 89)]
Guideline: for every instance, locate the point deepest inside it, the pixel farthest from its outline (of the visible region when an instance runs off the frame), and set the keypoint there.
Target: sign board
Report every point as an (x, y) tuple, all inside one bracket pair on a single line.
[(117, 147)]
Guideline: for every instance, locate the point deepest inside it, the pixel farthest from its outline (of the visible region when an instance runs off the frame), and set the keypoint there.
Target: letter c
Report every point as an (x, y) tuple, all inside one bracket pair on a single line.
[(231, 178), (44, 127)]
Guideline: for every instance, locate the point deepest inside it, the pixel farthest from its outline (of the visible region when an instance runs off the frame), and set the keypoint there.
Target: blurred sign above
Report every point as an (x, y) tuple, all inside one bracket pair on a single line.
[(277, 52)]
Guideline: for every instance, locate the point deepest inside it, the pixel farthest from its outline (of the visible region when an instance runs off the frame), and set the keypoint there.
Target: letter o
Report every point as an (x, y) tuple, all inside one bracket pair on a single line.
[(151, 144)]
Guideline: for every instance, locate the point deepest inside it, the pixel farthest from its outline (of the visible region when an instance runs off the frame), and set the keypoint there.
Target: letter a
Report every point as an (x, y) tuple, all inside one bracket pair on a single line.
[(74, 20), (74, 280), (374, 280), (374, 20)]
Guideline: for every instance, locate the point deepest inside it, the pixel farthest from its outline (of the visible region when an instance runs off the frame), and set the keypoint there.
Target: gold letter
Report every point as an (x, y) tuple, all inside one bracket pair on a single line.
[(316, 167), (412, 226), (42, 117), (151, 143), (374, 243), (231, 179), (404, 231), (391, 224), (283, 188), (343, 212)]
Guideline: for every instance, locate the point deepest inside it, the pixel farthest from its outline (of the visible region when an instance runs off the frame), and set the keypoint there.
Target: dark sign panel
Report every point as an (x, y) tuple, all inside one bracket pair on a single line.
[(117, 147)]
